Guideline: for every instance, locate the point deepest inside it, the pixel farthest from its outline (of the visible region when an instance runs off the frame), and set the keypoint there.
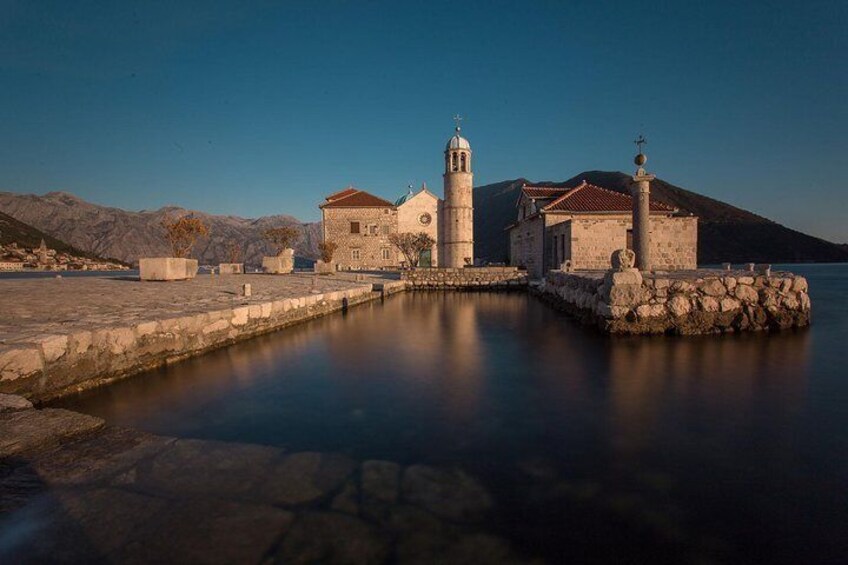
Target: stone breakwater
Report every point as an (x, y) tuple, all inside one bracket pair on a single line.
[(692, 302), (83, 351), (467, 278)]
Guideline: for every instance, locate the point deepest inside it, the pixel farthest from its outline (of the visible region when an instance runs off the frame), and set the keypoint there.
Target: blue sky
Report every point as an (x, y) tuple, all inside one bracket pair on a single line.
[(255, 108)]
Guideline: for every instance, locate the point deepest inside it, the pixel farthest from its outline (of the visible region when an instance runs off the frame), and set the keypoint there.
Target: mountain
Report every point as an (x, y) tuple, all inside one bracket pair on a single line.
[(124, 235), (725, 233), (26, 236)]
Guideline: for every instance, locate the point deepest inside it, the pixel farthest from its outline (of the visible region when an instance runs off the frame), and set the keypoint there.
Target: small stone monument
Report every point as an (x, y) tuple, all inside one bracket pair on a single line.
[(246, 290), (279, 264), (623, 282)]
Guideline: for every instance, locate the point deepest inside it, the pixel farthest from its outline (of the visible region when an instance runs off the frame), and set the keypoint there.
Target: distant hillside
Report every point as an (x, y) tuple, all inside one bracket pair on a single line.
[(15, 231), (125, 235), (725, 233)]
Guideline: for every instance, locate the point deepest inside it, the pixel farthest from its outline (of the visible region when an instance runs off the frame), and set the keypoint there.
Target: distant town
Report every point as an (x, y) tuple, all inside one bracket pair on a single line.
[(18, 258)]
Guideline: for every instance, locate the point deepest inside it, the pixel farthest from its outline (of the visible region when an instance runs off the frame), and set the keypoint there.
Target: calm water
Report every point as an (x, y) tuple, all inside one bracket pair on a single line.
[(708, 449)]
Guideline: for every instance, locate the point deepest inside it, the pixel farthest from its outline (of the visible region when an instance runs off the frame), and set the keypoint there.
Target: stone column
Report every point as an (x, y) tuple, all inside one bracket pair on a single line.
[(640, 189)]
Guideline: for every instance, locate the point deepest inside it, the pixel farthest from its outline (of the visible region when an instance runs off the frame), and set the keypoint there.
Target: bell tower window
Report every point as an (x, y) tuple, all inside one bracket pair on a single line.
[(462, 164), (453, 162)]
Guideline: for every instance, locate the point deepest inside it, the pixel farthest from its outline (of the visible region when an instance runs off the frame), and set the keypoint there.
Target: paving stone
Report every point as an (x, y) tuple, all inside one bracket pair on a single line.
[(97, 458), (79, 527), (13, 402), (451, 494), (327, 537), (305, 477), (210, 531), (191, 467), (30, 430)]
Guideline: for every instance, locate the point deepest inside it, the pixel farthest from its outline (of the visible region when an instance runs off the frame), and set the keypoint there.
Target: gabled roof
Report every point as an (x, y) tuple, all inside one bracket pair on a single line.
[(542, 192), (589, 198), (341, 194), (355, 198)]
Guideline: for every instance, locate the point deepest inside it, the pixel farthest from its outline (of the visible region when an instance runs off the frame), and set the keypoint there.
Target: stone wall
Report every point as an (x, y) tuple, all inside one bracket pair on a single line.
[(466, 278), (59, 364), (588, 240), (693, 302), (369, 247)]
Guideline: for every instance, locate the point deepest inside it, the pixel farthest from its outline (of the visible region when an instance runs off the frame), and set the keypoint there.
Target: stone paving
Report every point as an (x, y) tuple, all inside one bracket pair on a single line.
[(33, 307), (75, 490), (64, 335)]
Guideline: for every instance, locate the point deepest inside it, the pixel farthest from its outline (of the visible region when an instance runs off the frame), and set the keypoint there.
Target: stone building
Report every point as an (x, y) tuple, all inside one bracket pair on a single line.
[(420, 212), (586, 223), (360, 224)]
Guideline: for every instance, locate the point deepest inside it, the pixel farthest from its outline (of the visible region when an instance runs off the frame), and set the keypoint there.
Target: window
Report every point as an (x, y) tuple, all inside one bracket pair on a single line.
[(385, 229), (386, 254), (354, 227), (453, 162), (372, 229), (630, 239), (425, 219), (354, 254), (462, 161)]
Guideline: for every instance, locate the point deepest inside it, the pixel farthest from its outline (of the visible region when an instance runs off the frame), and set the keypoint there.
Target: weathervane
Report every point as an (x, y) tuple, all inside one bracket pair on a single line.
[(457, 118)]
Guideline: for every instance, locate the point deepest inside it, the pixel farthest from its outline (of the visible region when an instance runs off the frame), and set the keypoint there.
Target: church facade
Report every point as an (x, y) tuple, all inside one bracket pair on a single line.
[(583, 225), (360, 223)]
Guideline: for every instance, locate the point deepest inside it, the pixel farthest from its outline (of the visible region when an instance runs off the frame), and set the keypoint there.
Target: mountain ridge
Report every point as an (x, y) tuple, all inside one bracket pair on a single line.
[(128, 235), (726, 233)]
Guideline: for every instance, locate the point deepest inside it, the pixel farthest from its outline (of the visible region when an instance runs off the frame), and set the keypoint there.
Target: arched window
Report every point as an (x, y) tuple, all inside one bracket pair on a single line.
[(453, 162), (462, 162)]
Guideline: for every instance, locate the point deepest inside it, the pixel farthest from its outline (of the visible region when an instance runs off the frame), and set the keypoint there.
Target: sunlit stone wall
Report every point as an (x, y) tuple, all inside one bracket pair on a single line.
[(480, 278), (691, 302), (62, 363)]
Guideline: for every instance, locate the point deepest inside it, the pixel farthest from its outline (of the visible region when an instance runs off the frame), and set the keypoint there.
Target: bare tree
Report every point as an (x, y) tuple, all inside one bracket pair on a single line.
[(327, 248), (282, 238), (234, 252), (182, 233), (412, 245)]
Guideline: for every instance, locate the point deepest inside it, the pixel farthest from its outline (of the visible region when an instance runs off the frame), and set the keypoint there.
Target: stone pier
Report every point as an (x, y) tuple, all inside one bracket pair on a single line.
[(59, 336), (683, 302)]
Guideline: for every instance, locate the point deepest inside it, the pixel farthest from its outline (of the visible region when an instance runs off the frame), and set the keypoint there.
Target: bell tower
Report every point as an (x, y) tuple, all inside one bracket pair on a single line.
[(458, 209)]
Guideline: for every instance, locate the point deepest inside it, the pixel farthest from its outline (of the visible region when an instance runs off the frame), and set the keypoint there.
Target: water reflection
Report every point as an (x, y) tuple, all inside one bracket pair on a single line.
[(648, 443)]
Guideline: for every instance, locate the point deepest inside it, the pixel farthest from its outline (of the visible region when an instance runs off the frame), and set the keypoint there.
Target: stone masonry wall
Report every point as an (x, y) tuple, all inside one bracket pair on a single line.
[(695, 302), (369, 246), (63, 363), (466, 278), (409, 219)]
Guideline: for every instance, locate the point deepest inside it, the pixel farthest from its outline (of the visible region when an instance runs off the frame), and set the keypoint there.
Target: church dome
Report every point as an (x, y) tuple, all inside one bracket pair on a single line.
[(457, 142), (405, 197)]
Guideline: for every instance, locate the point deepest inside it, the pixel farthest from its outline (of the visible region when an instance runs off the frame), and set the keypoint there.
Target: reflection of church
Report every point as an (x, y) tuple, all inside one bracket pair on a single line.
[(360, 223)]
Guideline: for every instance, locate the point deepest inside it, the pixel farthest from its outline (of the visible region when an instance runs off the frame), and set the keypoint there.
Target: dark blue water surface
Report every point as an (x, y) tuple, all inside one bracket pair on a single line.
[(598, 449)]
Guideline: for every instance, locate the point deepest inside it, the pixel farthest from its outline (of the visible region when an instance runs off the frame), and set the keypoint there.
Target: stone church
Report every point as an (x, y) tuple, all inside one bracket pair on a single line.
[(360, 222), (583, 225)]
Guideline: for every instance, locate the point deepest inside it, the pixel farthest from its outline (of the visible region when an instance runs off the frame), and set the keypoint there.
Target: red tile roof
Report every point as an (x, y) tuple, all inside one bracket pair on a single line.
[(341, 194), (590, 198), (541, 192), (355, 198)]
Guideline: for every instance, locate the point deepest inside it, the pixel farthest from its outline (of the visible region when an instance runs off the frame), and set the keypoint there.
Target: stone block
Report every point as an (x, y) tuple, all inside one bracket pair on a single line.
[(19, 363), (709, 304), (713, 287), (167, 268), (746, 293), (279, 264), (679, 305), (625, 277), (323, 268), (231, 268)]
